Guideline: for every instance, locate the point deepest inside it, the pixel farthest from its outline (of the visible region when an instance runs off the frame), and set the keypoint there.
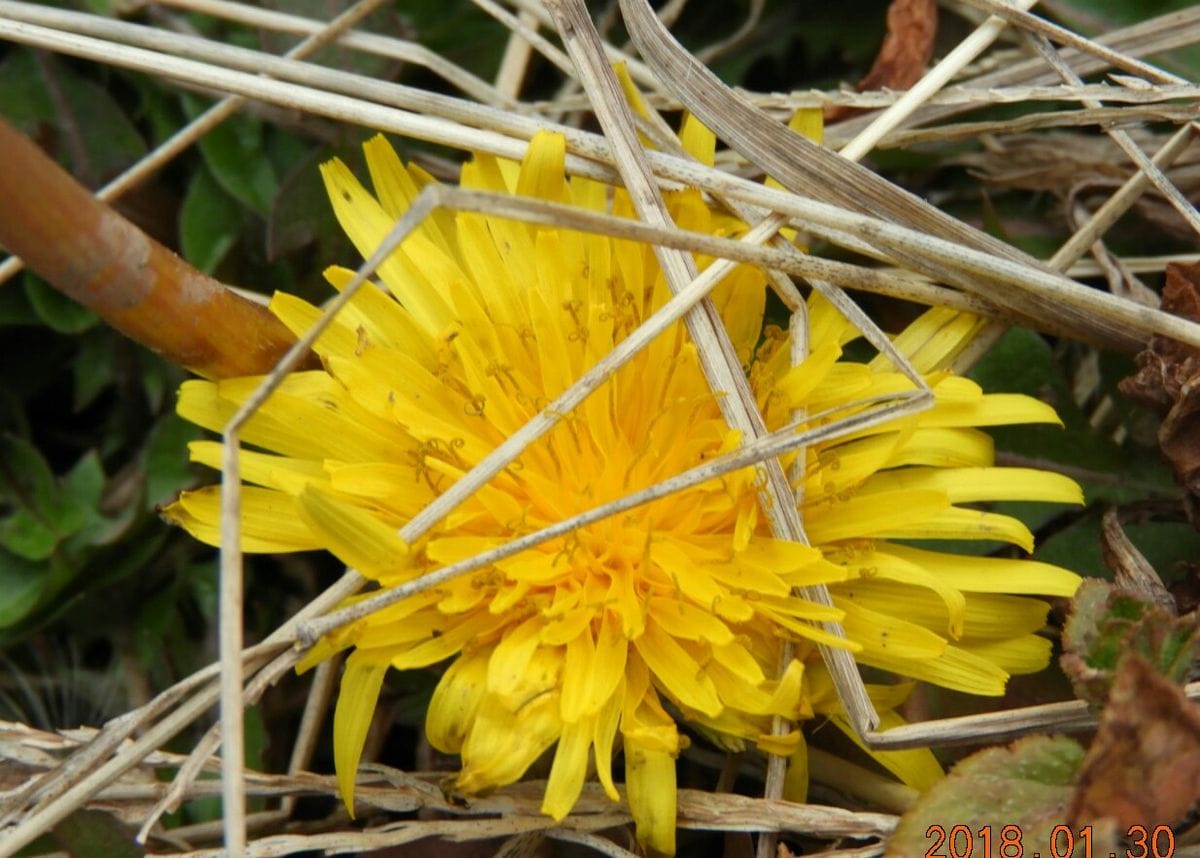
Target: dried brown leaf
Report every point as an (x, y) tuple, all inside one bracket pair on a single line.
[(1144, 764), (1168, 380), (1166, 366), (911, 28)]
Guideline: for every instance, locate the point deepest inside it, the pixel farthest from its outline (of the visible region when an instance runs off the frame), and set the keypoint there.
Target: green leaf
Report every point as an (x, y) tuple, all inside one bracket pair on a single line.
[(31, 528), (461, 33), (24, 100), (161, 637), (93, 367), (1023, 362), (1076, 547), (288, 152), (92, 834), (100, 128), (256, 739), (92, 128), (202, 584), (301, 212), (166, 463), (1020, 362), (158, 109), (21, 585), (158, 378), (130, 555), (233, 153), (25, 477), (46, 511), (208, 223), (15, 308), (1027, 784), (13, 419), (83, 486), (107, 8), (55, 310), (84, 483)]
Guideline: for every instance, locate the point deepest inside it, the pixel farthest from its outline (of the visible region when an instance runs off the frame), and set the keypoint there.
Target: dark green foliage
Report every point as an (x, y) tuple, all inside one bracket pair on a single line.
[(92, 834)]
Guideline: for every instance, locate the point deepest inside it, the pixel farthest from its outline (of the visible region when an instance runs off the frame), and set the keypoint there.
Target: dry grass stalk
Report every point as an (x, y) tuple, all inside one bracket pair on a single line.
[(505, 812), (1156, 35), (1117, 324)]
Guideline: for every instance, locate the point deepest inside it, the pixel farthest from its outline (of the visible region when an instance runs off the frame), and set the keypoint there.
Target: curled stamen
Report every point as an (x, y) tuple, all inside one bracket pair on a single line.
[(475, 405)]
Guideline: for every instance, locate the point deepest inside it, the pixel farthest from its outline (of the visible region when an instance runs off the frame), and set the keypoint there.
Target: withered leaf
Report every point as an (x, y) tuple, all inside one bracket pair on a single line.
[(1166, 365), (1144, 764), (1168, 380), (911, 27), (1107, 623), (1131, 570)]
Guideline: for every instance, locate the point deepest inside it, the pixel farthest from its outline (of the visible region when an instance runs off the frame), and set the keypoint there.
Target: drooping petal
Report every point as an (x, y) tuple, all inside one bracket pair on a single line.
[(992, 574), (606, 722), (506, 739), (958, 523), (357, 537), (508, 666), (270, 519), (944, 448), (887, 635), (361, 682), (685, 621), (678, 670), (397, 186), (795, 781), (455, 701), (992, 409), (650, 787), (934, 339), (1023, 654), (955, 668), (385, 321), (446, 643), (285, 473), (967, 485), (874, 515), (917, 767), (569, 769)]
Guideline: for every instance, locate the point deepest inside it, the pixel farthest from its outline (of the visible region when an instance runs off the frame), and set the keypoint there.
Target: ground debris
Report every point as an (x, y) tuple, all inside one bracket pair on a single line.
[(1168, 381), (1144, 764)]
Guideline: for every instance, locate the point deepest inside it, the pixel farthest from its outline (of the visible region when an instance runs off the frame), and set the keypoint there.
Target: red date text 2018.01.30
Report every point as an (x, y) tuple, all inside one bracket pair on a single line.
[(1009, 841)]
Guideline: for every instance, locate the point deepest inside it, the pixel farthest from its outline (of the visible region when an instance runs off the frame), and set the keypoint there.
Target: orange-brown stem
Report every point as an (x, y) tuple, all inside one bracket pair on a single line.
[(91, 253)]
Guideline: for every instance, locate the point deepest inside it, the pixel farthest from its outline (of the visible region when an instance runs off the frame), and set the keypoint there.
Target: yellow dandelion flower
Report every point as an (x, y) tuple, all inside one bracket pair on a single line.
[(673, 609)]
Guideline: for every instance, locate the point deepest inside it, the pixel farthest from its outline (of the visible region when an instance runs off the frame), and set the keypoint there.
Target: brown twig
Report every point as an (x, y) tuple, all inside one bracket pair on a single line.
[(89, 252)]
